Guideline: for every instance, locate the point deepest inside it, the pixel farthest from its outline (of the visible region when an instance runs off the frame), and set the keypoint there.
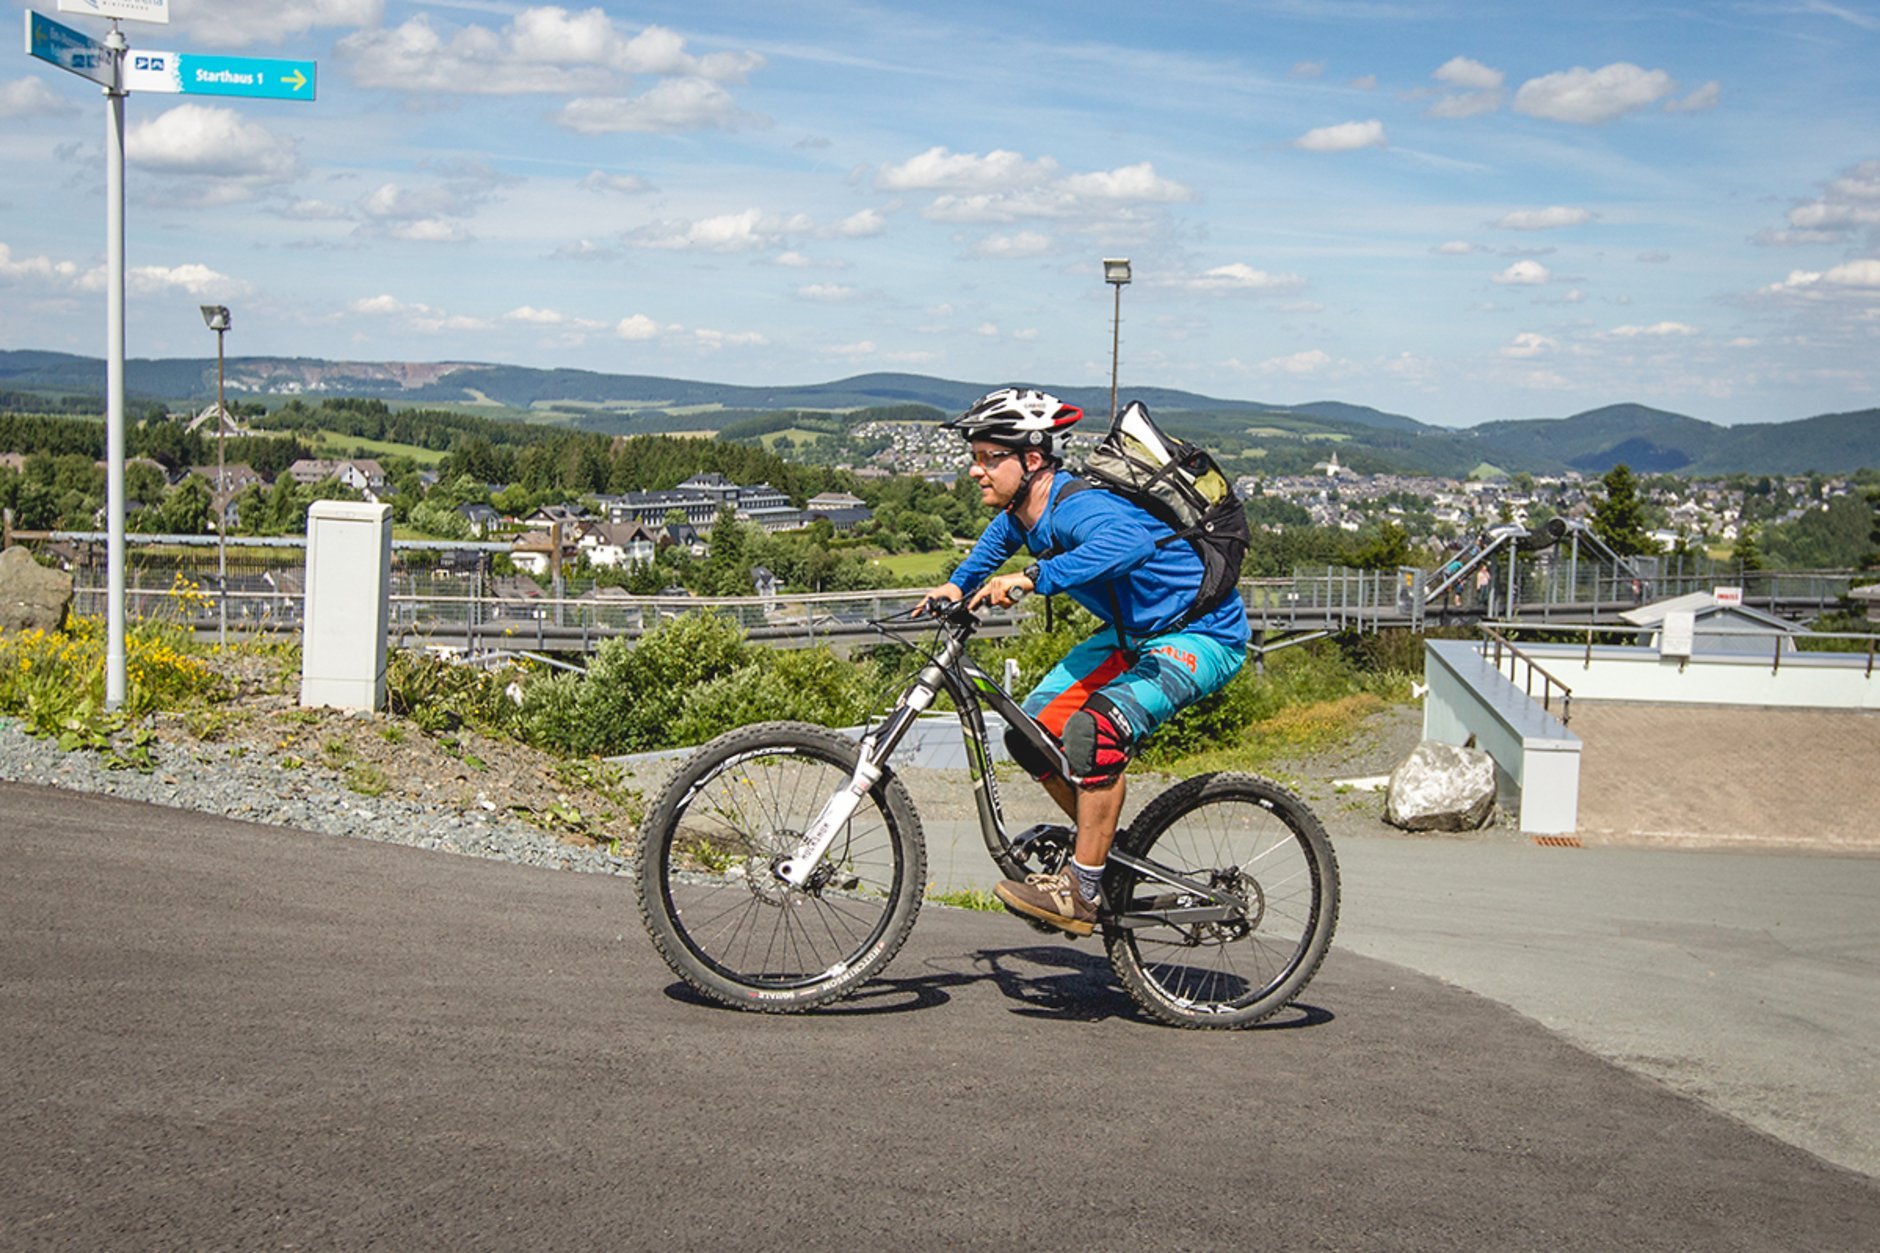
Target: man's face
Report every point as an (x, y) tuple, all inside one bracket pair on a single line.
[(997, 470)]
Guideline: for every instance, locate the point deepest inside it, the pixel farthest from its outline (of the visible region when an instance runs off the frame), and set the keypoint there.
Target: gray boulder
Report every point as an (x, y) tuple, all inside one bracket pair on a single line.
[(31, 596), (1442, 787)]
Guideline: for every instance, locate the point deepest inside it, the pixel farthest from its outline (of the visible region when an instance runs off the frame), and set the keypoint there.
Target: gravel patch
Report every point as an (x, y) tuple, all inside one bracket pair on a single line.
[(286, 767), (238, 781)]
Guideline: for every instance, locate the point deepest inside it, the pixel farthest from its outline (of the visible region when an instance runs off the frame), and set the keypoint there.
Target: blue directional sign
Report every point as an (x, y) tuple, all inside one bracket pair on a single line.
[(69, 49), (195, 75)]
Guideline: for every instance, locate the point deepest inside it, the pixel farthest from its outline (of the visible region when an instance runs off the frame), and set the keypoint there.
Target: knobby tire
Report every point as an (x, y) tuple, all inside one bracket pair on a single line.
[(1250, 837), (733, 930)]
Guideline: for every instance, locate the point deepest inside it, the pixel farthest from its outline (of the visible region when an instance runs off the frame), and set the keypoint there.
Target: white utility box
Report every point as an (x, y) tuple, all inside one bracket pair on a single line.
[(349, 594)]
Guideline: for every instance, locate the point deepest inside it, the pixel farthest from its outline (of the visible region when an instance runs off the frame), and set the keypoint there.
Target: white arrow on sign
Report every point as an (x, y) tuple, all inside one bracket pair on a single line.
[(135, 10)]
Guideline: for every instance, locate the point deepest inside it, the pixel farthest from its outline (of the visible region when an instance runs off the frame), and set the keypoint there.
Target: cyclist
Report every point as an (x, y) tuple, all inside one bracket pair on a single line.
[(1108, 693)]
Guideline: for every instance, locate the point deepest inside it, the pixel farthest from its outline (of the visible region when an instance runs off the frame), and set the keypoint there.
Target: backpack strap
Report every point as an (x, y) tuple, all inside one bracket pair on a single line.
[(1077, 483)]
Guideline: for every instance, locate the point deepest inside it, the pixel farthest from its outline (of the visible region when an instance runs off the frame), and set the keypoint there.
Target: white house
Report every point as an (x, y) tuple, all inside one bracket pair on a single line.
[(617, 544)]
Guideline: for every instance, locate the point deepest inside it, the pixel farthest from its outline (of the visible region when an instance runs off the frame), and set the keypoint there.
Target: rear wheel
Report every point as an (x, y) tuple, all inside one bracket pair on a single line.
[(1249, 838), (713, 904)]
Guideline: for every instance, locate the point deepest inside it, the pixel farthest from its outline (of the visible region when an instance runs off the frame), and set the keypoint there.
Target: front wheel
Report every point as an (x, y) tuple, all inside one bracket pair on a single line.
[(1249, 838), (721, 916)]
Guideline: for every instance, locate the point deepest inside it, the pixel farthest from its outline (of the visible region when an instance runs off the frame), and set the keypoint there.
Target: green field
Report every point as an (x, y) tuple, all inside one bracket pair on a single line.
[(331, 444), (797, 434)]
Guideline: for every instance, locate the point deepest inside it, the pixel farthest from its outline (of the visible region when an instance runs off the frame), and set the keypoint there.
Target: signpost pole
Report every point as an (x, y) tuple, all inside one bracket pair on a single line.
[(114, 371)]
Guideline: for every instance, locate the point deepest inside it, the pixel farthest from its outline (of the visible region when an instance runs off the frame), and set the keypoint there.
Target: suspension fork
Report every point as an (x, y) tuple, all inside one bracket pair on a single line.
[(877, 748)]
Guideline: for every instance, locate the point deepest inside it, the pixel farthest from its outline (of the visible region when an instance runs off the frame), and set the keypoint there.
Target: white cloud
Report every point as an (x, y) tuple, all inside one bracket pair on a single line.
[(1241, 277), (198, 280), (544, 49), (1011, 247), (1542, 381), (712, 341), (861, 225), (535, 317), (636, 327), (1480, 89), (1589, 97), (1139, 183), (311, 210), (674, 106), (30, 97), (1468, 74), (204, 142), (1705, 97), (234, 23), (1367, 82), (584, 250), (1296, 365), (623, 184), (938, 169), (1550, 218), (727, 232), (1656, 329), (428, 231), (1524, 274), (1344, 137), (36, 270), (1852, 277), (1458, 248), (418, 316), (793, 260), (1307, 69), (1529, 344), (828, 293)]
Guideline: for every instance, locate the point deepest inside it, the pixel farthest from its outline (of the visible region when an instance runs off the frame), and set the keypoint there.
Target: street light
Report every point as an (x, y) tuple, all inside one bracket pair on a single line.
[(1116, 274), (216, 318)]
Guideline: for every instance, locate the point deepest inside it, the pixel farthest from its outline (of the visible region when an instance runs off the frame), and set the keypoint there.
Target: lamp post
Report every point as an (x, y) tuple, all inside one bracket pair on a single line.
[(1116, 274), (216, 318)]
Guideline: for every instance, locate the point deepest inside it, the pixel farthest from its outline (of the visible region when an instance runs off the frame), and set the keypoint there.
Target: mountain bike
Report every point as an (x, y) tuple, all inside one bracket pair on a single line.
[(783, 864)]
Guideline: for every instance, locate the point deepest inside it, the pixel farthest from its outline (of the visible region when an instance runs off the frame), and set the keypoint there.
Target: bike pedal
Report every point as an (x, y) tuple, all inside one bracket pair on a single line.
[(1036, 925)]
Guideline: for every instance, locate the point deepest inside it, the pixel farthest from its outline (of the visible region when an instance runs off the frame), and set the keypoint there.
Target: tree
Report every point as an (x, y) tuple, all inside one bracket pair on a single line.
[(1619, 517), (1745, 555), (188, 508)]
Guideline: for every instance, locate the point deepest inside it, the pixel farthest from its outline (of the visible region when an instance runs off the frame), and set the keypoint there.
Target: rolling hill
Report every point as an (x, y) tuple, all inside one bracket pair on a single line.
[(1251, 435)]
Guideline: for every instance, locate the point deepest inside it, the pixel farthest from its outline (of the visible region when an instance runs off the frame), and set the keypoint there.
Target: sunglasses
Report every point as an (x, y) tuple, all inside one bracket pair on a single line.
[(987, 460)]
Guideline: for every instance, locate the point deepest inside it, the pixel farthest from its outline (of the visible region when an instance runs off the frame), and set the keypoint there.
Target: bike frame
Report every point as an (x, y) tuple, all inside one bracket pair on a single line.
[(953, 671)]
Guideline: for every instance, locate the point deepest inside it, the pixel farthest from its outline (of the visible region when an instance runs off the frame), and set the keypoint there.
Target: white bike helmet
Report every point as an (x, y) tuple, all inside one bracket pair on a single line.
[(1018, 418)]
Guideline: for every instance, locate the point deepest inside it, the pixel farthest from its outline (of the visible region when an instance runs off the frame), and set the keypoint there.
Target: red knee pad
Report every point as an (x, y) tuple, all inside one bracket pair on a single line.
[(1098, 742)]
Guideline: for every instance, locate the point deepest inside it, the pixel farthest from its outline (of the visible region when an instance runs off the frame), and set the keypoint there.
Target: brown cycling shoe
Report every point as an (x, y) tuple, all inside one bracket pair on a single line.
[(1052, 899)]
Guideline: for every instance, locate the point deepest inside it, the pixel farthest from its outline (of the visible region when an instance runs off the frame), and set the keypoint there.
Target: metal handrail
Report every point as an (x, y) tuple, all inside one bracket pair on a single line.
[(1633, 630), (1503, 645)]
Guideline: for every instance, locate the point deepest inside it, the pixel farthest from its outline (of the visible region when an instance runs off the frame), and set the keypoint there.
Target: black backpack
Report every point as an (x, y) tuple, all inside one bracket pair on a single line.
[(1183, 488)]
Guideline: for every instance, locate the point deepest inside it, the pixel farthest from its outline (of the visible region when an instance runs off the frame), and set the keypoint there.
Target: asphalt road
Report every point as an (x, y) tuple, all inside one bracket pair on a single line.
[(220, 1035)]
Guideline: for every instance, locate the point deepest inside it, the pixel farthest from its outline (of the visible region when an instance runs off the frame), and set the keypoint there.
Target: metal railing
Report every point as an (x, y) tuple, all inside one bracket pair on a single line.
[(1497, 648), (1775, 644)]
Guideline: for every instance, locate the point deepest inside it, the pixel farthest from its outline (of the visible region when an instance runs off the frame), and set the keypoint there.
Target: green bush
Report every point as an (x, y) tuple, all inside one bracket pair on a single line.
[(810, 685), (440, 695), (633, 693)]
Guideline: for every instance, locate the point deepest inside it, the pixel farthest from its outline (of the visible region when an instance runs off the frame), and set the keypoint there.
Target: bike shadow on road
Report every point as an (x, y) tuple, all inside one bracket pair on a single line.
[(1048, 981)]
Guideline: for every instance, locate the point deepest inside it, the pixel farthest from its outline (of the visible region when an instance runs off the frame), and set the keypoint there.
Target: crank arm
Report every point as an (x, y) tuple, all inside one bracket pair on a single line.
[(1227, 900)]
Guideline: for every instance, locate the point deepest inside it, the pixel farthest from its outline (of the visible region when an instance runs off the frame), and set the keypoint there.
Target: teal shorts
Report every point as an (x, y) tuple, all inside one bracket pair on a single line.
[(1162, 676)]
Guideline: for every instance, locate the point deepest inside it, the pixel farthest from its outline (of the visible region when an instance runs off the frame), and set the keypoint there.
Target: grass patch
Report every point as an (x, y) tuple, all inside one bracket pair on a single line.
[(1297, 731), (966, 898), (332, 442), (367, 779), (926, 566)]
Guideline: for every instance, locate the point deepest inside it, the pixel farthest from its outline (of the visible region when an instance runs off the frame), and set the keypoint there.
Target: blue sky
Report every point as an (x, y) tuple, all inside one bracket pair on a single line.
[(1460, 211)]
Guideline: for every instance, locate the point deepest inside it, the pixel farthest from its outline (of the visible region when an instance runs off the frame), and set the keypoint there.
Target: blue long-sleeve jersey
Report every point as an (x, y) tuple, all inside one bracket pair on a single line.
[(1107, 561)]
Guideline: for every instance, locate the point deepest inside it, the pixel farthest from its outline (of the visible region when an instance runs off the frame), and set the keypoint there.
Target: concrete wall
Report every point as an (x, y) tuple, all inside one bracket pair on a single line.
[(1537, 759)]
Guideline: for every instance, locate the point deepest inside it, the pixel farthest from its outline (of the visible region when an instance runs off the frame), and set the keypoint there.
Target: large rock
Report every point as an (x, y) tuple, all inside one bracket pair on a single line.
[(31, 596), (1442, 787)]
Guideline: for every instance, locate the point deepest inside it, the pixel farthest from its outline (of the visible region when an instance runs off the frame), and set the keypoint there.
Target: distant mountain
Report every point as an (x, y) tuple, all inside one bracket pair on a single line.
[(1253, 435)]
